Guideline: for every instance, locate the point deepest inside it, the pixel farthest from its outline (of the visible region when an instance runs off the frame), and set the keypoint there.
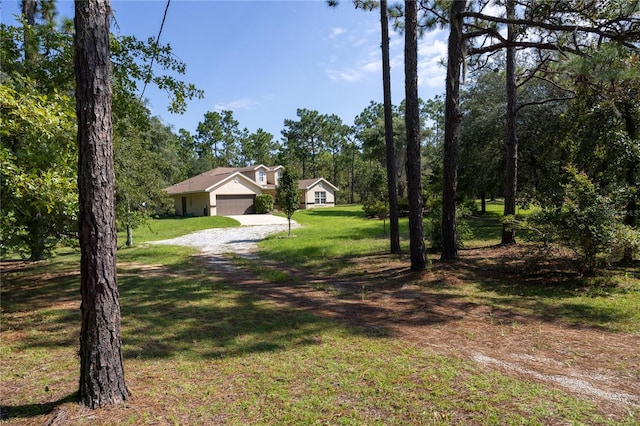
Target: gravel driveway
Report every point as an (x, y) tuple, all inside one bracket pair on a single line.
[(238, 240)]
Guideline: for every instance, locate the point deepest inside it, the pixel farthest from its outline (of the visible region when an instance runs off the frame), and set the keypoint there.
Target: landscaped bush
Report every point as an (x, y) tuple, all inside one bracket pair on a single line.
[(263, 203)]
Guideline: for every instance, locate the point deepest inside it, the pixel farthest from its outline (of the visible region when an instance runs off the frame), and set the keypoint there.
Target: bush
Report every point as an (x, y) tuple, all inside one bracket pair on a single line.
[(586, 221), (263, 203), (463, 230)]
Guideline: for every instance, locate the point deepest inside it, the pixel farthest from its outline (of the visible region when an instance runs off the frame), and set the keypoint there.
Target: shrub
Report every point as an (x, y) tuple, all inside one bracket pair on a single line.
[(586, 221), (263, 203), (463, 230)]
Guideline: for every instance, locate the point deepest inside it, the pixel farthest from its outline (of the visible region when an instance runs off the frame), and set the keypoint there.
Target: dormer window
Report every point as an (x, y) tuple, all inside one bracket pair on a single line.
[(261, 176)]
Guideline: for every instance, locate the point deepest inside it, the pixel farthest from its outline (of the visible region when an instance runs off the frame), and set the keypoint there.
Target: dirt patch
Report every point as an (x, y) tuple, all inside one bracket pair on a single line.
[(382, 298)]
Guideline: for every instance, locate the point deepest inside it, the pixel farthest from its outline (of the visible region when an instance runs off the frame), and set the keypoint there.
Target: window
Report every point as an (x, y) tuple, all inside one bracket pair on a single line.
[(321, 197), (261, 176)]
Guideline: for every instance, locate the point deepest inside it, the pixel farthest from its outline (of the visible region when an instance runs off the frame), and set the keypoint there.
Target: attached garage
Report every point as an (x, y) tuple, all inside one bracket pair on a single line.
[(227, 205)]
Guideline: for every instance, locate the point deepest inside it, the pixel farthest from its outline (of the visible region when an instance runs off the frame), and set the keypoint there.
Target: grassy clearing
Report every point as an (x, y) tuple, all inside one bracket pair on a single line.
[(610, 301), (199, 352)]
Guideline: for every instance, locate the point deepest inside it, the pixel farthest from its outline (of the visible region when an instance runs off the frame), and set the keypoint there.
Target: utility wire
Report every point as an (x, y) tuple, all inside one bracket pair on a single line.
[(148, 78)]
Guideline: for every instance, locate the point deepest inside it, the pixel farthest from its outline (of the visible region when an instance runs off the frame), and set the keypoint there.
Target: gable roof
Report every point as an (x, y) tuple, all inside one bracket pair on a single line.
[(308, 183), (207, 181)]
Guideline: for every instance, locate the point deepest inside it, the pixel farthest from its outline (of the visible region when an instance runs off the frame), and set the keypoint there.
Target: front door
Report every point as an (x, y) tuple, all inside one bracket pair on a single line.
[(184, 206)]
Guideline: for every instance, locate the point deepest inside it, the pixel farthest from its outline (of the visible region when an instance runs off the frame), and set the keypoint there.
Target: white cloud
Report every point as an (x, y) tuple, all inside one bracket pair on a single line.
[(344, 75), (336, 31), (238, 104), (432, 51)]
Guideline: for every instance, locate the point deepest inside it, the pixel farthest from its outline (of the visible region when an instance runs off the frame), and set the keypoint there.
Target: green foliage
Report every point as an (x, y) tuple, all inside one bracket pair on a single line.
[(375, 201), (37, 174), (288, 194), (263, 203), (586, 221), (434, 225), (38, 132)]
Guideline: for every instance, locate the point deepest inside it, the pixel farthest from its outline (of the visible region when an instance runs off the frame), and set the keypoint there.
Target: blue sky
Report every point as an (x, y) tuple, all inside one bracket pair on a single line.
[(264, 59)]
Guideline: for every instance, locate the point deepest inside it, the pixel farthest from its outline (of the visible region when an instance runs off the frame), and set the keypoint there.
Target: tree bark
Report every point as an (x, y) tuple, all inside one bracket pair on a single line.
[(511, 184), (101, 365), (631, 216), (394, 228), (129, 236), (452, 133), (412, 118), (29, 8)]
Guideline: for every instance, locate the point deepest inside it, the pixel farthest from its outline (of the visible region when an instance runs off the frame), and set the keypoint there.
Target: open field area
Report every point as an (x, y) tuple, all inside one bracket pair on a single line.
[(326, 328)]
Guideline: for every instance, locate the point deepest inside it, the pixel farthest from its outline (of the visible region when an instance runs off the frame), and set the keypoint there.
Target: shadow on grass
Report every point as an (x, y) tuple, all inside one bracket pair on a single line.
[(34, 410), (164, 312), (546, 286)]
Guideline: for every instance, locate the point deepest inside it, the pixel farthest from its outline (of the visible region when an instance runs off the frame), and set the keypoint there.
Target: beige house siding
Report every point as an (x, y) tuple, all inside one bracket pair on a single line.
[(198, 204), (255, 174), (308, 196), (241, 187)]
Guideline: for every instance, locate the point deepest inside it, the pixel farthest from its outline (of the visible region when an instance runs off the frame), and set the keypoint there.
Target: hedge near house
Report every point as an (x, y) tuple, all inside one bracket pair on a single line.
[(263, 203)]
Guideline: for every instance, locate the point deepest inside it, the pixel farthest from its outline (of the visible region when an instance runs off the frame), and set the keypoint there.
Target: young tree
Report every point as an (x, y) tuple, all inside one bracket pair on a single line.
[(412, 118), (374, 200), (288, 194), (101, 365)]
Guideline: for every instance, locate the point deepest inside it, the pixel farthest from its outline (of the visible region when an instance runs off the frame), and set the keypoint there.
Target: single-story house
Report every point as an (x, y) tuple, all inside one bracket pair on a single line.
[(231, 191)]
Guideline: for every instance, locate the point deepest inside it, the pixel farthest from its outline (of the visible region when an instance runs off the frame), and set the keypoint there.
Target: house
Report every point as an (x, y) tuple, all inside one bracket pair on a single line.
[(231, 191)]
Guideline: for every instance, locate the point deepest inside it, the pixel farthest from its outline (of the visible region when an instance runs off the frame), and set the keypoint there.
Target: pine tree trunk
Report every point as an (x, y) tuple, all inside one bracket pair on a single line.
[(30, 41), (511, 184), (631, 217), (412, 118), (101, 365), (452, 133), (394, 228), (129, 236)]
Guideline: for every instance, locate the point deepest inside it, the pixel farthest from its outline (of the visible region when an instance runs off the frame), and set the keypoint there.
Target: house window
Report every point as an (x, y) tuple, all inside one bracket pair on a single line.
[(260, 176), (321, 197)]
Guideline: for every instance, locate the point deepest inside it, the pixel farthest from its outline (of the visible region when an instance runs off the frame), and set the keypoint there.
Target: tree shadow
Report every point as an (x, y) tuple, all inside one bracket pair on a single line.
[(34, 410), (545, 284)]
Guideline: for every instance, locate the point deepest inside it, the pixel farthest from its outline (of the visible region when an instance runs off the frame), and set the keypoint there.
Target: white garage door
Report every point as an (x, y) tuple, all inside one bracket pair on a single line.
[(235, 204)]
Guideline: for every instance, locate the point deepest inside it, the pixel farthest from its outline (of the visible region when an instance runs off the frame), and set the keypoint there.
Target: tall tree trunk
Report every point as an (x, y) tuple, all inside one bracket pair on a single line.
[(631, 216), (352, 198), (30, 40), (101, 366), (511, 184), (394, 228), (412, 118), (452, 132), (129, 236)]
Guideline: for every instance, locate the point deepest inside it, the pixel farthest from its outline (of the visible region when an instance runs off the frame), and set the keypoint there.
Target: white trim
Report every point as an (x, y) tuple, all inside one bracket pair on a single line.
[(232, 176)]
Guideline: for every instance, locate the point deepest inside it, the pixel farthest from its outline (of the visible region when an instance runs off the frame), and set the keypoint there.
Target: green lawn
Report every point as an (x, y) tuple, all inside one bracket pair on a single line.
[(199, 351), (172, 227)]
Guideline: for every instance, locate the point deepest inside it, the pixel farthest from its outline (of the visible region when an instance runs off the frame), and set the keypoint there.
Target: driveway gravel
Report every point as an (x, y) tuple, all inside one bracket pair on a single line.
[(239, 240)]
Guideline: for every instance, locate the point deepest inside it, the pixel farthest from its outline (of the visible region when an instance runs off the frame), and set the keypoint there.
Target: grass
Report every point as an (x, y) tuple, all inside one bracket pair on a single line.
[(199, 351), (172, 227)]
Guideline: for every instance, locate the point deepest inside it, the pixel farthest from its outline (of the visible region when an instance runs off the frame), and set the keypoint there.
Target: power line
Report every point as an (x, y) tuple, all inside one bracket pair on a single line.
[(148, 78)]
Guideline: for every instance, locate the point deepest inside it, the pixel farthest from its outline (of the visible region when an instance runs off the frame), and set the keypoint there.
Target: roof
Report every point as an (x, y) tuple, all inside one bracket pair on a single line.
[(308, 183), (208, 180)]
